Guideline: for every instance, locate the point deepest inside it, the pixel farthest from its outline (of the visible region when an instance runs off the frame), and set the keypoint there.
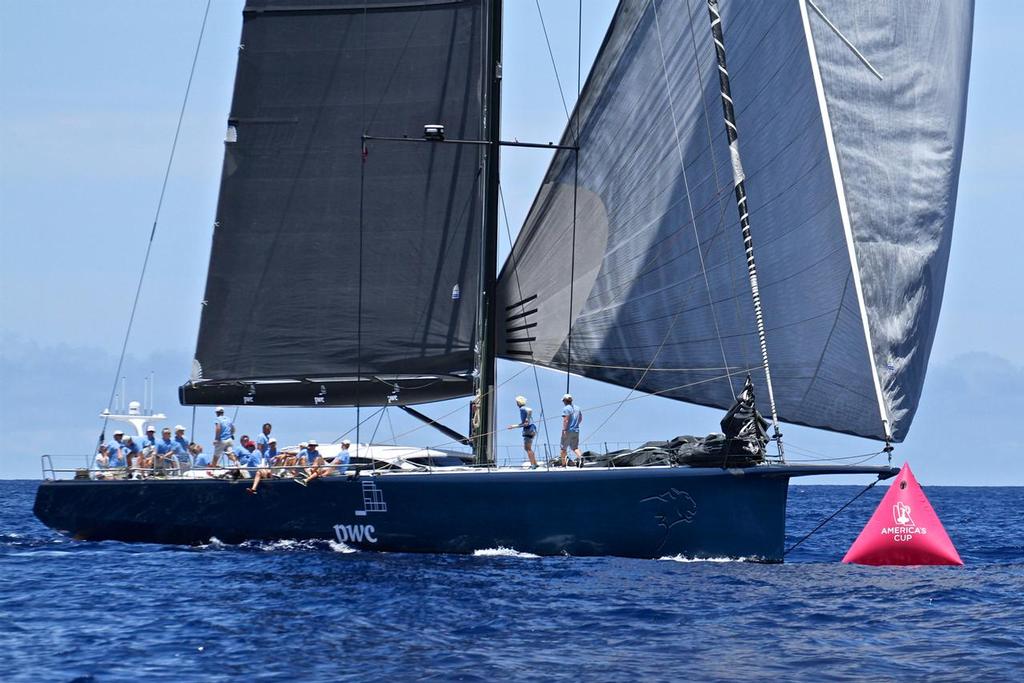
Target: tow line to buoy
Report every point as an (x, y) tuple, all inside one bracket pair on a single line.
[(832, 516)]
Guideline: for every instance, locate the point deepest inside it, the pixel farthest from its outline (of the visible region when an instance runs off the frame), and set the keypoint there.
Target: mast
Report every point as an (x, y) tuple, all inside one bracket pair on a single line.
[(483, 442), (741, 204)]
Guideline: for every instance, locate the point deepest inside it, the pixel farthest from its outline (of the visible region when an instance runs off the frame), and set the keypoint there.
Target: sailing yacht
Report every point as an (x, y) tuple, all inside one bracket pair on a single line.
[(761, 190)]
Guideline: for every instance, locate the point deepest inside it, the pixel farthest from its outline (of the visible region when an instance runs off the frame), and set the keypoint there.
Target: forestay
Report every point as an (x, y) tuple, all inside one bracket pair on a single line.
[(661, 300), (327, 268)]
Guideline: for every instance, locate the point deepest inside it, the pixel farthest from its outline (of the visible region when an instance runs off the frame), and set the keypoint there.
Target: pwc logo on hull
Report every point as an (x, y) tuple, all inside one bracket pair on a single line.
[(373, 501), (356, 533)]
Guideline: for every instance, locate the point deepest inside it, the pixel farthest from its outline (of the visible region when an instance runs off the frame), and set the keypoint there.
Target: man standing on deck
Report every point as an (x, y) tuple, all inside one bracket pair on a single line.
[(223, 435), (529, 429), (572, 418), (263, 438)]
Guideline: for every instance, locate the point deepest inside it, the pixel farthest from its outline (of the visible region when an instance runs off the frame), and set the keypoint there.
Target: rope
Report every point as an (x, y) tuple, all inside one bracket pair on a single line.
[(831, 517), (156, 219)]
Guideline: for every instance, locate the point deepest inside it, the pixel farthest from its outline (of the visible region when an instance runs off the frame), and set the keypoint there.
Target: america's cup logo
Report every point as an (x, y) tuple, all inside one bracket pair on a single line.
[(901, 514)]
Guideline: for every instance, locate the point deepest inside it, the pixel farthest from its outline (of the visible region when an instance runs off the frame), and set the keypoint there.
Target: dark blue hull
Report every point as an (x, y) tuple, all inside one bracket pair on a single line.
[(630, 512)]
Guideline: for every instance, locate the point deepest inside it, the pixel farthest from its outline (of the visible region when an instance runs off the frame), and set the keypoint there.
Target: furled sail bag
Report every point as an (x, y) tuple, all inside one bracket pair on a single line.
[(741, 443)]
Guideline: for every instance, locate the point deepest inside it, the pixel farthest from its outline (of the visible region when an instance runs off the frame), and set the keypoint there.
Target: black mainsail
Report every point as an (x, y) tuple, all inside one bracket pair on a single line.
[(304, 210), (851, 180)]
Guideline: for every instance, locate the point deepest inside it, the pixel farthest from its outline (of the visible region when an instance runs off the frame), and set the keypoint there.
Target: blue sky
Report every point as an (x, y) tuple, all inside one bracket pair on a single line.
[(89, 95)]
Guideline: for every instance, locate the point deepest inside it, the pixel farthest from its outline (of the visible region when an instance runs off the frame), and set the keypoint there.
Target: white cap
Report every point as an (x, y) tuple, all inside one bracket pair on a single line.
[(150, 428), (179, 428), (521, 400), (303, 444), (567, 397), (218, 409), (312, 442), (346, 442), (272, 440), (118, 433)]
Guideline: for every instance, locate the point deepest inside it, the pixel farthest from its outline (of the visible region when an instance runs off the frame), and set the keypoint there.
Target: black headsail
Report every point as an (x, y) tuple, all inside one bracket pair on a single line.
[(850, 181), (300, 201)]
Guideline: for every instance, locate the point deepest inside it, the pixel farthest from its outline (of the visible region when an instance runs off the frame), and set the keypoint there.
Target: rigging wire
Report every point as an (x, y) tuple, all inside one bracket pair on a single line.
[(573, 124), (391, 425), (675, 317), (832, 516), (519, 288), (575, 196), (156, 218), (686, 186), (618, 404), (352, 429), (460, 408), (719, 192)]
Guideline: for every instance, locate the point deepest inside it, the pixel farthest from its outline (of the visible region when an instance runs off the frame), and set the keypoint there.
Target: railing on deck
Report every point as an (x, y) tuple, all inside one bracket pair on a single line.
[(82, 466), (86, 469)]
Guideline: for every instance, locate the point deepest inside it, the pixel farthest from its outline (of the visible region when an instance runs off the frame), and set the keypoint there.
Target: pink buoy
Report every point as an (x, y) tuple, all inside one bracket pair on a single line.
[(904, 530)]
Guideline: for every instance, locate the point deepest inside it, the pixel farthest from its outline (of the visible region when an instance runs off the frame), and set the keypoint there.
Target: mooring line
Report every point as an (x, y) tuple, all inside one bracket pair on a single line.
[(832, 516)]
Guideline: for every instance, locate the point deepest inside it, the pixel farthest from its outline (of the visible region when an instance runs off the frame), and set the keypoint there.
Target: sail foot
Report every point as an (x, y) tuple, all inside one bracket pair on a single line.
[(335, 392)]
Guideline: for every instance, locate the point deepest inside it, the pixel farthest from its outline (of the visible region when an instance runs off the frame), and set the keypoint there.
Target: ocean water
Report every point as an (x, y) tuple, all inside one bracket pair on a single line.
[(318, 611)]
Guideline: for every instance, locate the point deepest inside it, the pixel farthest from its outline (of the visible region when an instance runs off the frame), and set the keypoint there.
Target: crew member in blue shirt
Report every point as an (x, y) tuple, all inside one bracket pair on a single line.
[(529, 429), (298, 459), (269, 455), (150, 439), (263, 438), (572, 418), (131, 451), (201, 460), (223, 434), (167, 451), (148, 448), (115, 451), (257, 457), (313, 458), (341, 460), (183, 452)]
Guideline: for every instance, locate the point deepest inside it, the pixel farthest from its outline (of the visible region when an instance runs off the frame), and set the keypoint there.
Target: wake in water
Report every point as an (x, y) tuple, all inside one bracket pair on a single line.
[(688, 560), (282, 545), (503, 552)]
